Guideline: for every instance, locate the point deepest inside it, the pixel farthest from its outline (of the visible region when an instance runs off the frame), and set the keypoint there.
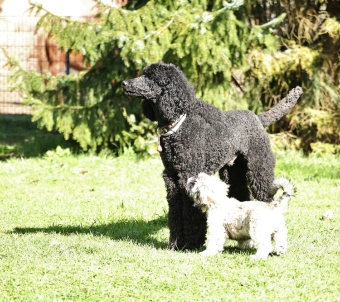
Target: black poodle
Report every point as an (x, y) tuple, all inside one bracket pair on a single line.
[(196, 137)]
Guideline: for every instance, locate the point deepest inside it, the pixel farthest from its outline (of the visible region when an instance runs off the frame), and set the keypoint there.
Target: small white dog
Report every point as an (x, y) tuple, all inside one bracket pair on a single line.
[(251, 223)]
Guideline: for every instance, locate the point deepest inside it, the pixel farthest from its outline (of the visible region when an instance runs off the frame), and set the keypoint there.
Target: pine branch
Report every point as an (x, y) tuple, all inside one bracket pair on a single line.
[(39, 7), (273, 22), (233, 5), (159, 31)]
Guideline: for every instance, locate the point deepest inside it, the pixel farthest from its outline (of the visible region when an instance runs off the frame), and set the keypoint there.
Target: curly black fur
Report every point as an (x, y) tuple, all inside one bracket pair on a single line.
[(234, 143)]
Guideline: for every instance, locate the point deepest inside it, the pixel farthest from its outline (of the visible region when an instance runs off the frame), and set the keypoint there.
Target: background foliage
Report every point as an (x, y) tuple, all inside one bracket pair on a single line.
[(241, 54)]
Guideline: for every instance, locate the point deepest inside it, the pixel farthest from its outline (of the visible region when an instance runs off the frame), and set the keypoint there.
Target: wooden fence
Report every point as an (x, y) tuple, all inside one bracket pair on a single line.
[(18, 39), (36, 51)]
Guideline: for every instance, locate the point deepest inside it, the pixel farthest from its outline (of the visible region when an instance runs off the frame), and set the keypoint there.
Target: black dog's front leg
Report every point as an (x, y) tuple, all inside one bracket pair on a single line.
[(186, 223), (194, 224), (175, 219)]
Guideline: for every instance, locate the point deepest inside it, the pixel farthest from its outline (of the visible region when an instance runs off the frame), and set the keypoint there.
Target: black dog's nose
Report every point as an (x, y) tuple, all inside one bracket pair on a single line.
[(124, 83)]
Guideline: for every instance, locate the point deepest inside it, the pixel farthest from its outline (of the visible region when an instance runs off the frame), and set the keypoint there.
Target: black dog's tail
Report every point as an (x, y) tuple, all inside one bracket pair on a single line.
[(281, 108), (288, 193)]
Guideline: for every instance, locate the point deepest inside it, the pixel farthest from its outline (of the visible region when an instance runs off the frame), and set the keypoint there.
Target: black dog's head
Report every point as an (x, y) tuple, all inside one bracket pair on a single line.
[(165, 90)]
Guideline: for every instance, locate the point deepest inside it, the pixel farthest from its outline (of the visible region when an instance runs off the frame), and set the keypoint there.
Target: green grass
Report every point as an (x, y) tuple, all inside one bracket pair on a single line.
[(93, 228)]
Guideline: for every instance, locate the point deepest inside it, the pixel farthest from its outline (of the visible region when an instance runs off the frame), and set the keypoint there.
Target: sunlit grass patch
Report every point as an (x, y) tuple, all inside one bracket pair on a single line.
[(94, 228)]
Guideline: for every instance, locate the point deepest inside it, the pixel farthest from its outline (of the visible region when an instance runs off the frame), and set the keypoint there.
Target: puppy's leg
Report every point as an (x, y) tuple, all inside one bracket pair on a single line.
[(246, 244), (280, 239), (262, 239), (264, 248), (216, 237)]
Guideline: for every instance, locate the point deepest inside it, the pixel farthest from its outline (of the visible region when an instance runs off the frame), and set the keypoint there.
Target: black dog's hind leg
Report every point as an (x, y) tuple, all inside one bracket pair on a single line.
[(261, 174), (235, 175)]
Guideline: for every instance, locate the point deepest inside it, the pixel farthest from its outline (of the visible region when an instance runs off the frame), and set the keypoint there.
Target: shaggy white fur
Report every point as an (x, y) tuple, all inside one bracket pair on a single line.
[(251, 223)]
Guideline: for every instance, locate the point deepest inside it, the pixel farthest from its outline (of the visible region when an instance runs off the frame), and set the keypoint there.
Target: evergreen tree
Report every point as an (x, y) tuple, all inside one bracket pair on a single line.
[(236, 55)]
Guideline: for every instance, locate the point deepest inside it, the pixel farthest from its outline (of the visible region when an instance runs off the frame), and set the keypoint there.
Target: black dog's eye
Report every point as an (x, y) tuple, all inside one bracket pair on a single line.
[(163, 81)]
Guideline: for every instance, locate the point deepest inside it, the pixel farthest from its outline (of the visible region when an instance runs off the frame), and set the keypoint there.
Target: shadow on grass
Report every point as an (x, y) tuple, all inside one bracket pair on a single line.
[(234, 250), (138, 231), (20, 137)]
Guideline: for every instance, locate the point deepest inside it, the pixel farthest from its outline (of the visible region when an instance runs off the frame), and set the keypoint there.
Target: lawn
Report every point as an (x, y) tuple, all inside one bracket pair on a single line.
[(93, 228)]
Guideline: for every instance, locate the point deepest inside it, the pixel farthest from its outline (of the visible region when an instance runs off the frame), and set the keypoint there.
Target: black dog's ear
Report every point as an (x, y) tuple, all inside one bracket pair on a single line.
[(148, 110)]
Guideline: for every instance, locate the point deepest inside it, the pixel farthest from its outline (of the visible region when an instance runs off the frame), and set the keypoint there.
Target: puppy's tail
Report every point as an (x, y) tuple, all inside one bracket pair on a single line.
[(288, 193), (281, 108)]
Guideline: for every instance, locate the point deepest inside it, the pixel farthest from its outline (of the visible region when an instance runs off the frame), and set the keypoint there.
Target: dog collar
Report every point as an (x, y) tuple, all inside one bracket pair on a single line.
[(171, 128)]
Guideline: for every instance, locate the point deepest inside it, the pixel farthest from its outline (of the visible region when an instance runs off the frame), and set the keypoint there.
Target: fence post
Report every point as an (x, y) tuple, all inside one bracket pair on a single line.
[(67, 62)]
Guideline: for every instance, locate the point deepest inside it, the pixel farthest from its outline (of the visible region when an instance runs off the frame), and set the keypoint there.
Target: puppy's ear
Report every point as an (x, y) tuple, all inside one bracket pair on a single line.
[(190, 184), (148, 110)]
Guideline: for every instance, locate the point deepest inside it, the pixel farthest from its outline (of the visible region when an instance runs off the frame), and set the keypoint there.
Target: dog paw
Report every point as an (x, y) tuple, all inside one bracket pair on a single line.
[(281, 251), (208, 253)]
